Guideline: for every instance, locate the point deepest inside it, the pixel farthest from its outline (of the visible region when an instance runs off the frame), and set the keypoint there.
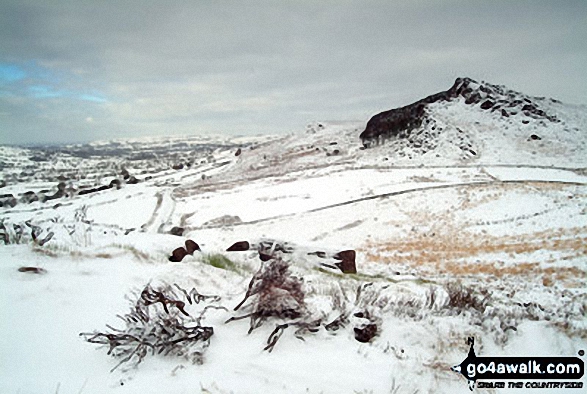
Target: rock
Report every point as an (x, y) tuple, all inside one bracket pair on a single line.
[(178, 231), (125, 174), (487, 104), (264, 256), (366, 333), (400, 122), (535, 137), (7, 200), (348, 264), (239, 246), (132, 180), (177, 166), (115, 183), (238, 152), (29, 197), (33, 270), (191, 246), (178, 254)]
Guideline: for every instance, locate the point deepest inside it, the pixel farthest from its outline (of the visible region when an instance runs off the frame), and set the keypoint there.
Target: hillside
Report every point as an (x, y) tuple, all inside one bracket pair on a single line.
[(467, 219)]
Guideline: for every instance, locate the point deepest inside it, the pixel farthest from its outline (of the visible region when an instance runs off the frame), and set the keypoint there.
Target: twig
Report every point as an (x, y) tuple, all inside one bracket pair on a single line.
[(274, 337)]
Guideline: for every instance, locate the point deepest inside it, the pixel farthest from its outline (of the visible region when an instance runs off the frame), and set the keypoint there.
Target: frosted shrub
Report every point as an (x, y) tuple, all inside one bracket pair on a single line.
[(158, 324)]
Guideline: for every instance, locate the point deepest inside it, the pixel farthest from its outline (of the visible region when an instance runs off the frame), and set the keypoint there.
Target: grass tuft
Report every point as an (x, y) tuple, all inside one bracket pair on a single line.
[(220, 261)]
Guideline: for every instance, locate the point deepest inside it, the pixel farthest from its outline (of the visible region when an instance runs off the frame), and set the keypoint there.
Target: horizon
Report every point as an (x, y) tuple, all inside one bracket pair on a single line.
[(74, 72)]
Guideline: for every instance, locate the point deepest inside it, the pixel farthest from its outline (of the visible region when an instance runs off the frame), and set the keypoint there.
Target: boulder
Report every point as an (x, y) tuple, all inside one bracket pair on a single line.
[(347, 264), (115, 183), (239, 246), (178, 254), (191, 246), (366, 333), (178, 231)]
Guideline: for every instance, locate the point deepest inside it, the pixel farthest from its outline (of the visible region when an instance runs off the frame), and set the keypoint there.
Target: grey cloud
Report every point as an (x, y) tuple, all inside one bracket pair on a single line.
[(240, 67)]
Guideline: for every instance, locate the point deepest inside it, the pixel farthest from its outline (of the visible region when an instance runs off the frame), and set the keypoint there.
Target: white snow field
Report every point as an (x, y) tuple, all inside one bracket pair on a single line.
[(491, 246)]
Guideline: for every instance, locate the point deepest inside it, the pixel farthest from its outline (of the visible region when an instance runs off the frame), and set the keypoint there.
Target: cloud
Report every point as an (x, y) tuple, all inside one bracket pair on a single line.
[(146, 67)]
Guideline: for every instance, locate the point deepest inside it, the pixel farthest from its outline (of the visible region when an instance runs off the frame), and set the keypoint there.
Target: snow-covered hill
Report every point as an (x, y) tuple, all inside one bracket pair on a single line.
[(466, 223)]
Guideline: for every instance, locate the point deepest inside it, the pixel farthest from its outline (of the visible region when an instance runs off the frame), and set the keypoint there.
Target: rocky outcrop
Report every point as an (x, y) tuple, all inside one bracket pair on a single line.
[(399, 122)]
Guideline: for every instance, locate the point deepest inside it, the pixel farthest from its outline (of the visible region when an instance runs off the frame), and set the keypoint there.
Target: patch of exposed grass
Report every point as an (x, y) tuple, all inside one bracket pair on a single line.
[(221, 261), (450, 253)]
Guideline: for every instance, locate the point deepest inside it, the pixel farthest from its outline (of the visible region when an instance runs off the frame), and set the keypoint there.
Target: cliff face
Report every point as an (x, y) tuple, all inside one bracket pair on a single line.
[(400, 122)]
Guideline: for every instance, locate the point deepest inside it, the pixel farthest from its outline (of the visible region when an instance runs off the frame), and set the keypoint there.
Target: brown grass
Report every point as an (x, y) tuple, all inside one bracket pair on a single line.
[(453, 254)]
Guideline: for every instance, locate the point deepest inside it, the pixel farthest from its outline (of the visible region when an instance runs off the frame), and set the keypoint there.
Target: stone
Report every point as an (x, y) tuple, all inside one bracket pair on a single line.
[(33, 270), (178, 231), (29, 197), (264, 256), (115, 183), (366, 333), (348, 264), (239, 247), (487, 104), (178, 254), (191, 246)]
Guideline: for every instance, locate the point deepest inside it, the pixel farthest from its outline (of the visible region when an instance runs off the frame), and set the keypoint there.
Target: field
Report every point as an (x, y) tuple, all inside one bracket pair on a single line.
[(492, 247)]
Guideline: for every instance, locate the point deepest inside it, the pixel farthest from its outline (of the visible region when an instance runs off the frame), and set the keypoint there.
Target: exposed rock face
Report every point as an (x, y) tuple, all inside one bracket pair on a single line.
[(400, 122)]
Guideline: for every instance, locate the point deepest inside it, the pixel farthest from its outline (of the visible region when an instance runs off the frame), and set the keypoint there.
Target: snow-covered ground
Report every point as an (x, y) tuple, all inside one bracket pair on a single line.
[(507, 227)]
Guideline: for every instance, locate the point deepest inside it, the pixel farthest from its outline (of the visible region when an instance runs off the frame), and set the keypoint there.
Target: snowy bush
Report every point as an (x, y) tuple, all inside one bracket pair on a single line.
[(159, 324), (14, 233)]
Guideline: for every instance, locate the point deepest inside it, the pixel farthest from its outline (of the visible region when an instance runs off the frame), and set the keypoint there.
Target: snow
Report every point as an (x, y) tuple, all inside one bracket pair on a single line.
[(507, 221)]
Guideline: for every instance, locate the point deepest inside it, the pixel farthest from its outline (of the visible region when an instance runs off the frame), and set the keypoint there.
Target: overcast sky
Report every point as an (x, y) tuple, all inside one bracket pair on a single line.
[(73, 71)]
